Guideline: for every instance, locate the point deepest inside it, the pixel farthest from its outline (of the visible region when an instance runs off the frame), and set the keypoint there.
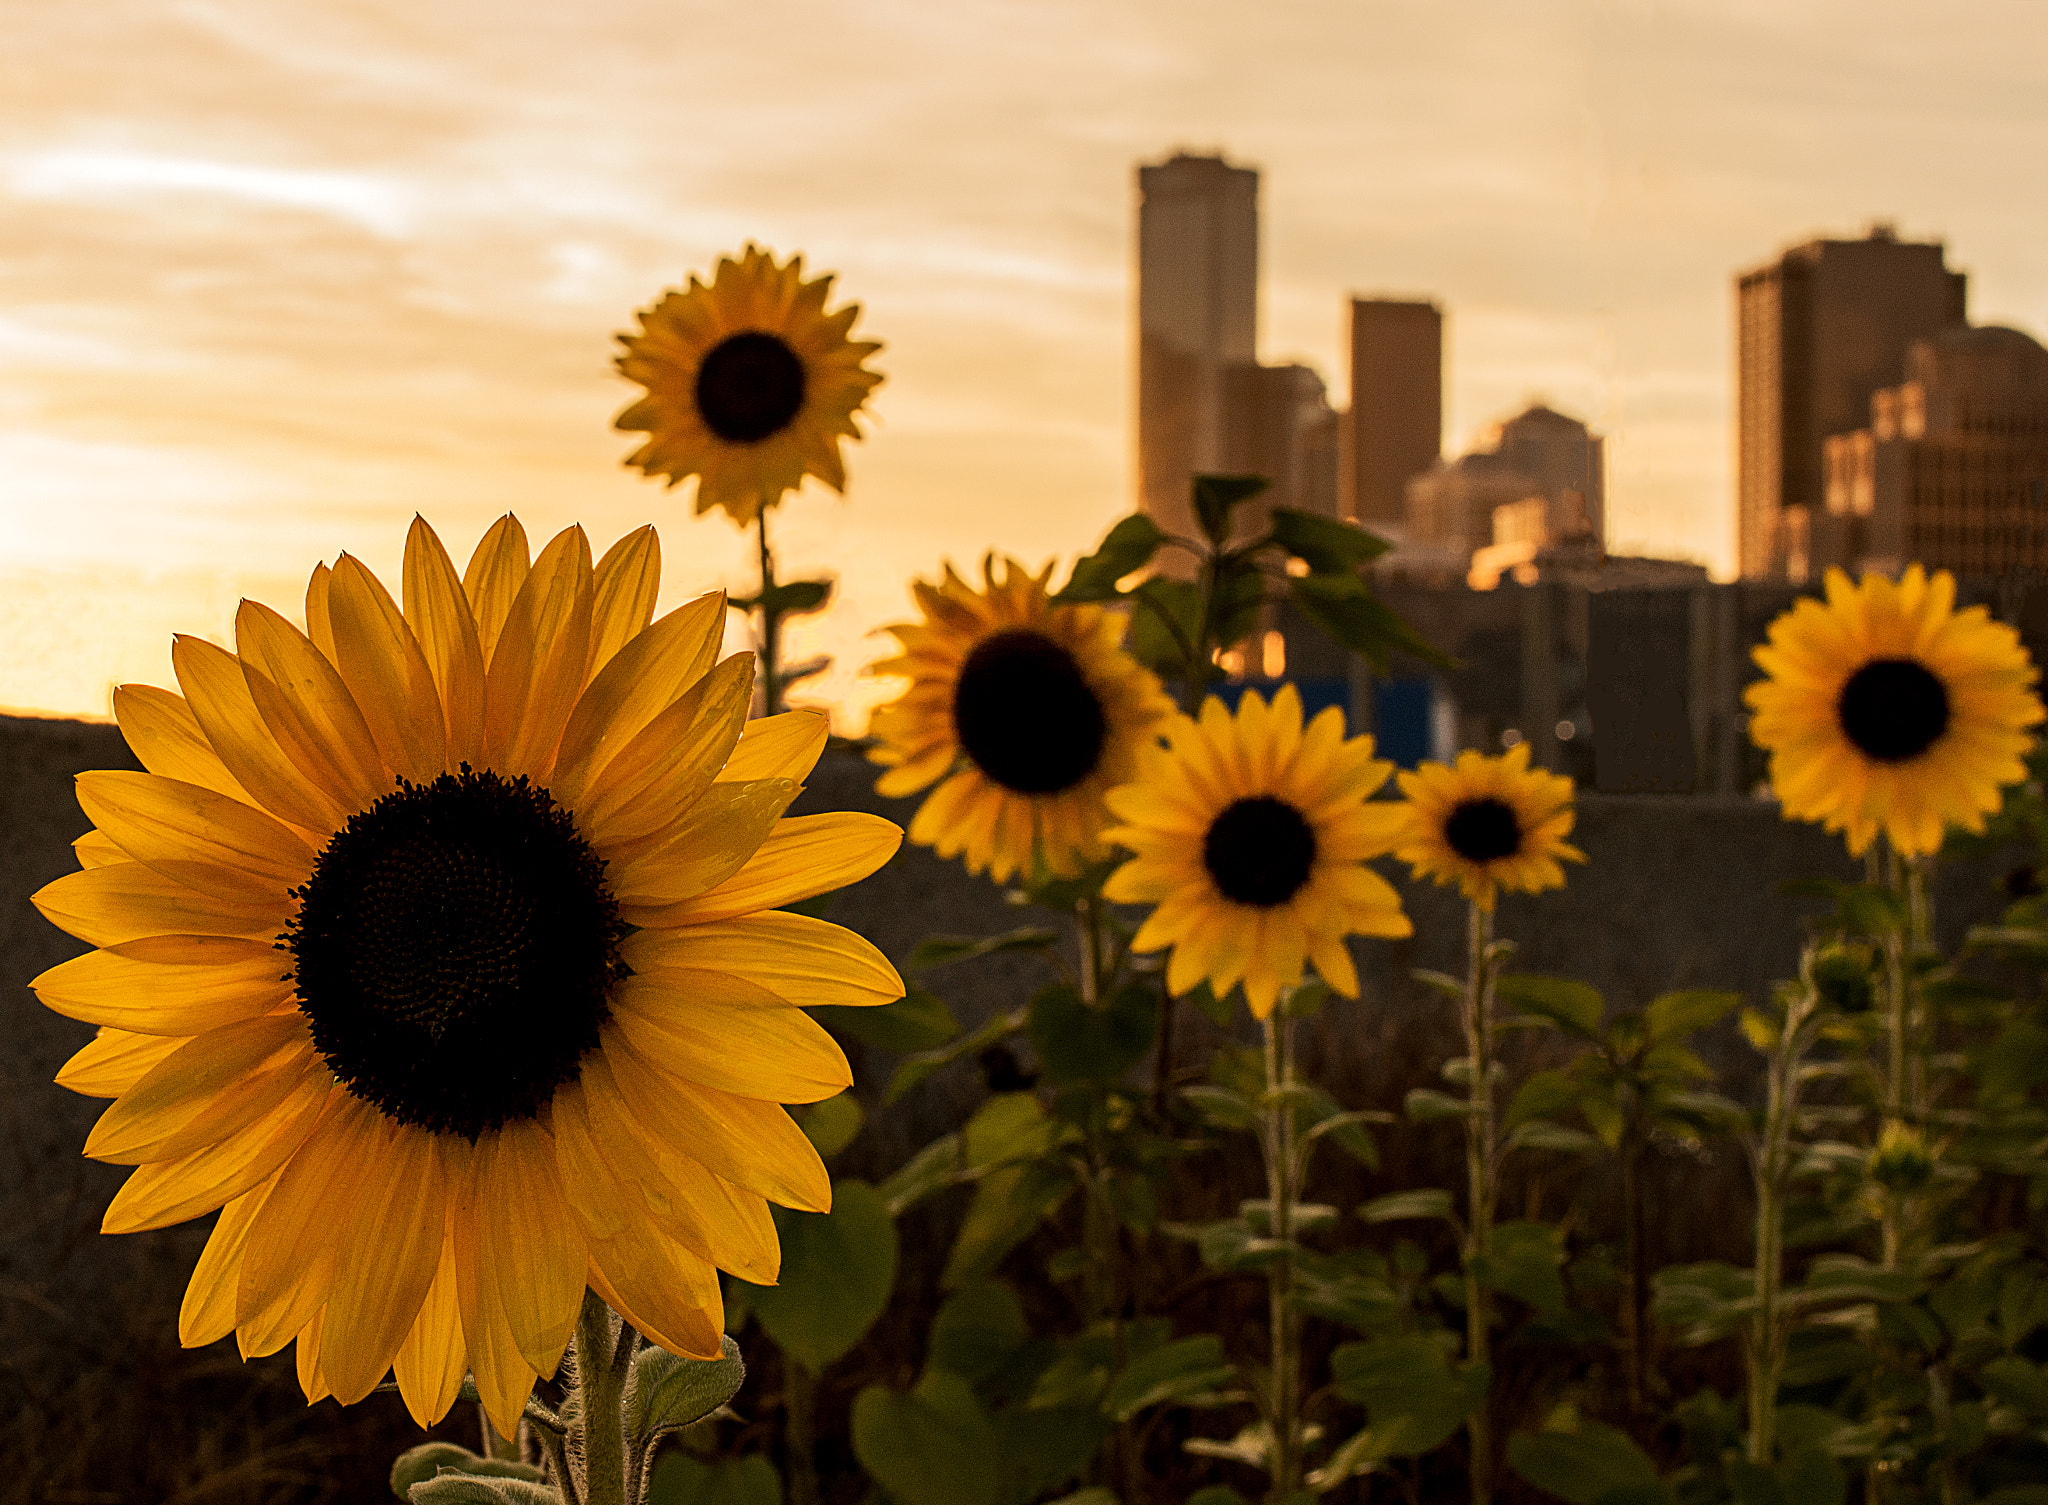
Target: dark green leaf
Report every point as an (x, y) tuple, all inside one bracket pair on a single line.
[(1180, 1368), (1811, 1476), (1077, 1043), (913, 1069), (1236, 602), (1676, 1015), (1220, 1107), (930, 1446), (1406, 1376), (916, 1021), (1425, 1105), (838, 1269), (669, 1393), (832, 1124), (1216, 496), (1325, 545), (1872, 909), (1045, 1447), (496, 1486), (1128, 546), (938, 950), (1584, 1466), (679, 1479), (2018, 1383), (977, 1330), (939, 1164), (425, 1461), (1571, 1006), (1428, 1202), (1007, 1206), (1546, 1094), (1525, 1262), (1347, 610), (793, 597), (1166, 625), (1542, 1134)]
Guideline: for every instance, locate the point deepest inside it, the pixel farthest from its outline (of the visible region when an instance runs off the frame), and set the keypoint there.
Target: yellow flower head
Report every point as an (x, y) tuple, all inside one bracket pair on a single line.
[(1250, 834), (1028, 711), (1488, 824), (439, 947), (1888, 710), (750, 384)]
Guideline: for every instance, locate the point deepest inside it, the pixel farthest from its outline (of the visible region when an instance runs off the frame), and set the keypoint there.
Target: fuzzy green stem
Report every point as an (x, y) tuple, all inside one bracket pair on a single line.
[(603, 1358), (1277, 1140), (1764, 1348), (1479, 1157), (771, 625)]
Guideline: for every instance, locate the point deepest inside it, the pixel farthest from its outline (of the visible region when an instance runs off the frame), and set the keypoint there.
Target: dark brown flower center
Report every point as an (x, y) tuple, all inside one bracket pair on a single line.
[(455, 951), (1026, 715), (749, 387), (1260, 851), (1482, 830), (1893, 709)]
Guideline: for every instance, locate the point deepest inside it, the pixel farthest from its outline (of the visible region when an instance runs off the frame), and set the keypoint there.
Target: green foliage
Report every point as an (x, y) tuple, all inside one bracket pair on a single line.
[(1082, 1042), (679, 1479), (1415, 1398), (669, 1393), (918, 1021), (838, 1269)]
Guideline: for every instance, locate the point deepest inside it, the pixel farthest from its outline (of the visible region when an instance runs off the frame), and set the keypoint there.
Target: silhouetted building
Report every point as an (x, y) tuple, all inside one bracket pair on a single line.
[(1546, 469), (1394, 429), (1198, 268), (1818, 331), (1280, 425), (1951, 471)]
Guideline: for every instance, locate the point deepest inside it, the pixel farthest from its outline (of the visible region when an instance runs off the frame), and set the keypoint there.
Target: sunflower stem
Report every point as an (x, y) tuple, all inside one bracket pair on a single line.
[(1284, 1407), (800, 1430), (604, 1356), (1895, 995), (771, 624), (1479, 1158), (1764, 1343)]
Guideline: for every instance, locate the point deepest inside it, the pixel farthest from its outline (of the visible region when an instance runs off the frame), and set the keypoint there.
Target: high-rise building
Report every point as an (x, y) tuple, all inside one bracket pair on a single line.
[(1818, 331), (1280, 425), (1198, 271), (1394, 430)]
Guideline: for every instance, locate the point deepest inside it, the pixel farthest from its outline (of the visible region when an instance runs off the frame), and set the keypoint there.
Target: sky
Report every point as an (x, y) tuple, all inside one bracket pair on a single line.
[(275, 275)]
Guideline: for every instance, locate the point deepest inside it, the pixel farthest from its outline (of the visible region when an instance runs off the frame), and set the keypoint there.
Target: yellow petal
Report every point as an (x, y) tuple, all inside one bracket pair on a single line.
[(503, 1378), (625, 585), (97, 849), (217, 690), (308, 709), (183, 831), (387, 675), (208, 1312), (802, 856), (721, 1032), (667, 1293), (319, 623), (213, 1086), (312, 1380), (779, 747), (437, 611), (800, 960), (710, 843), (431, 1362), (536, 669), (653, 780), (497, 571), (170, 1191), (389, 1248), (165, 737), (114, 1061), (288, 1265), (168, 985), (531, 1255), (105, 906)]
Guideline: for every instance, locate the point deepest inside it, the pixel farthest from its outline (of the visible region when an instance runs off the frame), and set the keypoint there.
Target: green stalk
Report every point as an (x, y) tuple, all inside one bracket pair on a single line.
[(1277, 1140), (604, 1357), (800, 1431), (1919, 1024), (771, 625), (1479, 1157), (1764, 1345), (1894, 997)]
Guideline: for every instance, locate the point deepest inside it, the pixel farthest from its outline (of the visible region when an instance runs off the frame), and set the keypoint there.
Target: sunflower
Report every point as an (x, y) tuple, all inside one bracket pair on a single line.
[(438, 949), (1251, 834), (1028, 711), (750, 384), (1888, 710), (1488, 824)]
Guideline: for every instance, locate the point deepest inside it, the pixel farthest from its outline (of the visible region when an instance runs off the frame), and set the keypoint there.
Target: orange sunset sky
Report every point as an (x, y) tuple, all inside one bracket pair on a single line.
[(276, 274)]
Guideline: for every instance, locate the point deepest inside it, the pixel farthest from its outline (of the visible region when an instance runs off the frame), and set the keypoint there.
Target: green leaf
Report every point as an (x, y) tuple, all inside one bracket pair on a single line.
[(914, 1069), (793, 597), (1325, 545), (1180, 1368), (1045, 1447), (1406, 1377), (1586, 1466), (929, 1446), (1217, 1494), (1166, 623), (1235, 602), (2018, 1383), (1525, 1262), (1345, 608), (939, 950), (1872, 909), (832, 1124), (669, 1393), (1676, 1015), (1544, 1095), (1076, 1043), (494, 1487), (1008, 1204), (679, 1479), (1216, 496), (977, 1330), (1571, 1006), (427, 1460), (1220, 1108), (1425, 1105), (939, 1164), (1542, 1134), (916, 1021), (1128, 546), (1451, 987), (1009, 1126), (1427, 1202), (838, 1269), (1811, 1476), (1349, 1132)]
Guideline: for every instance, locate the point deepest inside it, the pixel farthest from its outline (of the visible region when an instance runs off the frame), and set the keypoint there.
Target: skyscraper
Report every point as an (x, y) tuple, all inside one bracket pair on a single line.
[(1394, 431), (1819, 331), (1198, 271)]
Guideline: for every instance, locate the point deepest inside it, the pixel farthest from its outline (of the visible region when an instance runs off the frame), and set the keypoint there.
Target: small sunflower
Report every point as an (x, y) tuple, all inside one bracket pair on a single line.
[(1250, 834), (750, 384), (1029, 711), (1888, 710), (1488, 824), (438, 948)]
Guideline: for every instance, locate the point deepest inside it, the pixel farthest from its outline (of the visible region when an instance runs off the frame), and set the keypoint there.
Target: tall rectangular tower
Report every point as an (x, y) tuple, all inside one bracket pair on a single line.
[(1818, 331), (1394, 430), (1198, 272)]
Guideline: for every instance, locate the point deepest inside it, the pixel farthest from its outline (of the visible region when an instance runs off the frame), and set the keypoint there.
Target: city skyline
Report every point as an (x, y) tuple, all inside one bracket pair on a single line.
[(273, 276)]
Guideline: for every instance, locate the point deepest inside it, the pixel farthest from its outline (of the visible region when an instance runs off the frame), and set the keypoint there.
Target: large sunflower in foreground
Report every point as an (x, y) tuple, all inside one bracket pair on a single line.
[(1250, 834), (1488, 824), (438, 950), (1028, 711), (750, 384), (1888, 710)]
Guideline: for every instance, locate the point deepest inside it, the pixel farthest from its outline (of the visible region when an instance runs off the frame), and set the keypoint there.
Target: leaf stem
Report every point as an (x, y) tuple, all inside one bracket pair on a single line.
[(1277, 1141), (771, 624)]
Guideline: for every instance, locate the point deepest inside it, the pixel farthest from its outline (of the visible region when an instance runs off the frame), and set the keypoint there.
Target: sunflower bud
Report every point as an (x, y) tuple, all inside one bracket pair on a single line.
[(1842, 975), (1901, 1163)]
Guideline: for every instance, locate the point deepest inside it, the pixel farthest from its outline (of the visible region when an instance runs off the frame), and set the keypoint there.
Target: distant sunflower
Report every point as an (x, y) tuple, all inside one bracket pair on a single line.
[(439, 950), (1488, 824), (1888, 710), (1028, 711), (750, 384), (1250, 835)]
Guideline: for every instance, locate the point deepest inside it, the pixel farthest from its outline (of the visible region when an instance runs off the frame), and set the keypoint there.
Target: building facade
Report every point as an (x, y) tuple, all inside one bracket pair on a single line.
[(1818, 332), (1198, 271), (1951, 469), (1393, 431), (1539, 480)]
